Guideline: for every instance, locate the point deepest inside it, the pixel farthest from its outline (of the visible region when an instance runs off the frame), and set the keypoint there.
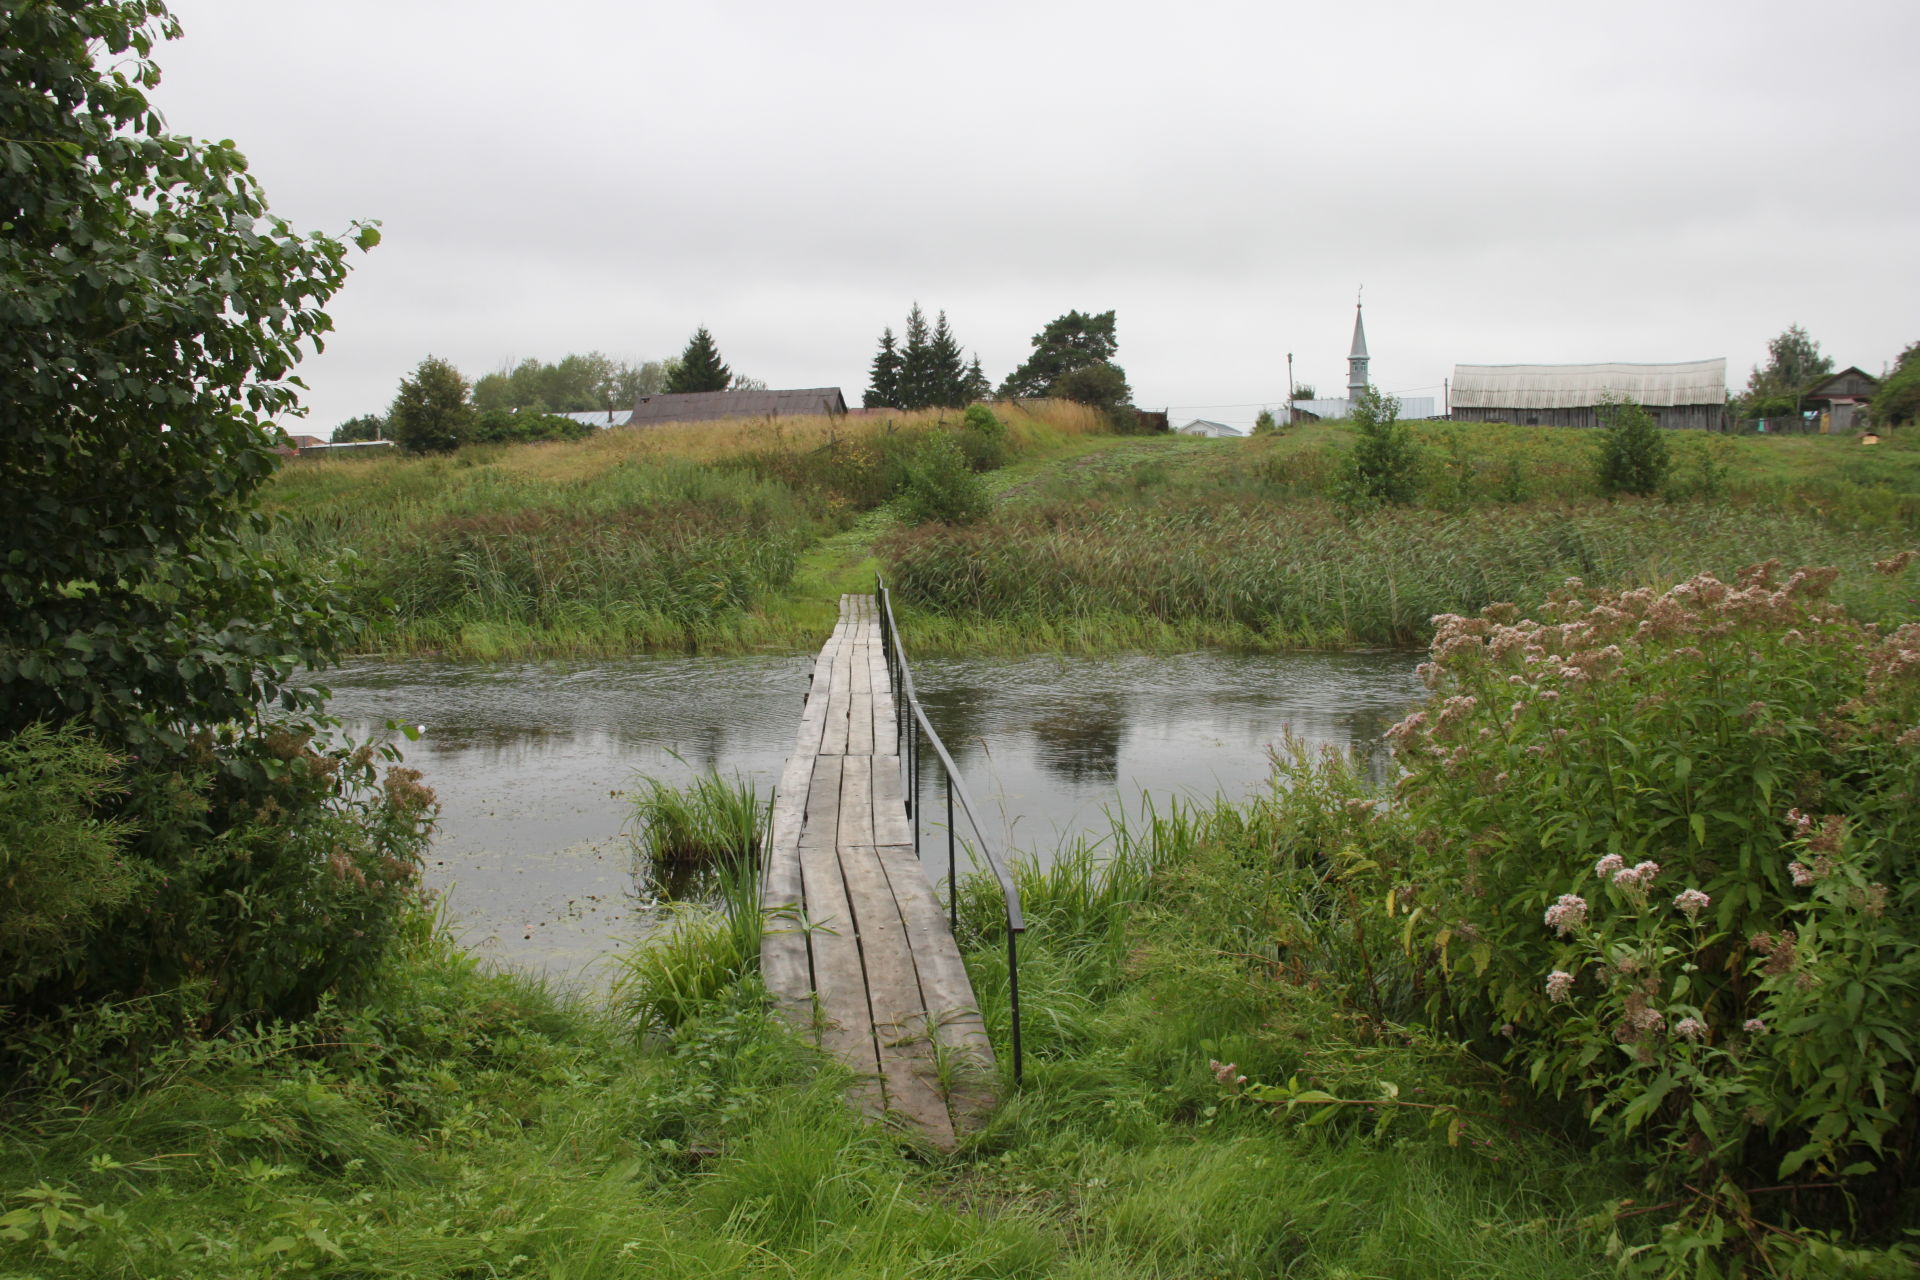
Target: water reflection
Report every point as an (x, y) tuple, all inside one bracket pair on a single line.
[(530, 759)]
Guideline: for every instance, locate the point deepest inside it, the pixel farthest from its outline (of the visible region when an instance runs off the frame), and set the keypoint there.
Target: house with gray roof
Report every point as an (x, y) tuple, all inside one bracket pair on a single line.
[(711, 406), (1690, 394)]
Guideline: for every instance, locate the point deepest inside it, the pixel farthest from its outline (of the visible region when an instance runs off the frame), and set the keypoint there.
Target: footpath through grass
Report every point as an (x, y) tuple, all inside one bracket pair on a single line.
[(462, 1124)]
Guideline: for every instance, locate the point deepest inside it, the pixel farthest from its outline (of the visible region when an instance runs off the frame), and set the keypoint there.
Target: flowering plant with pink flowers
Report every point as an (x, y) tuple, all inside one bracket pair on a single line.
[(1666, 860)]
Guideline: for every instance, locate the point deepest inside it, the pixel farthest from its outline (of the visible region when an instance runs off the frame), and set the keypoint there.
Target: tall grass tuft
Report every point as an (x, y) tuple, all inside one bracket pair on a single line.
[(711, 819)]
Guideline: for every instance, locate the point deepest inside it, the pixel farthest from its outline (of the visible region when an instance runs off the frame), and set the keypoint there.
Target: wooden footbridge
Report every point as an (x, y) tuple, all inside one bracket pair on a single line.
[(857, 950)]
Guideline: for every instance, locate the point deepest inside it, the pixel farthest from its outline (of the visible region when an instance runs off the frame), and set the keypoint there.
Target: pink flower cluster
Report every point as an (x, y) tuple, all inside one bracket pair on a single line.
[(1559, 984), (1690, 1029), (1638, 876), (1567, 914), (1225, 1072), (1692, 902)]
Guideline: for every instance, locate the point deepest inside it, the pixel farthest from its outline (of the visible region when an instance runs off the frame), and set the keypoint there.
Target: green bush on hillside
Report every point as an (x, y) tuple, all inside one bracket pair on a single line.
[(1383, 467), (1633, 451), (983, 438), (1658, 851), (941, 488)]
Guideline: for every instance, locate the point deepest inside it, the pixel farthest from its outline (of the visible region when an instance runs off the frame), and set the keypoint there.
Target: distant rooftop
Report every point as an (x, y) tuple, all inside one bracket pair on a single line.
[(1578, 386), (709, 406)]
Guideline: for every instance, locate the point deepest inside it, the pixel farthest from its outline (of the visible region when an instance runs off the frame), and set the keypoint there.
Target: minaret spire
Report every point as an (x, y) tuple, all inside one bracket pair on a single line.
[(1357, 358)]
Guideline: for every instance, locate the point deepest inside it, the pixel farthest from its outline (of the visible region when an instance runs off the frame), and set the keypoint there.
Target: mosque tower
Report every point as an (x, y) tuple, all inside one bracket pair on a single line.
[(1357, 359)]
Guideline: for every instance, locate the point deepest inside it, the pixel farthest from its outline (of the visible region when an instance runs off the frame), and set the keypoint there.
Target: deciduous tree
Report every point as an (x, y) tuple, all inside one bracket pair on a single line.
[(1898, 400), (431, 413), (151, 315), (1794, 364)]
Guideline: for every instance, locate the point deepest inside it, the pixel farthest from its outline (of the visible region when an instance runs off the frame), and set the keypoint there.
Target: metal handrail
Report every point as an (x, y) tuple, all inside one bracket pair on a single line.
[(912, 724)]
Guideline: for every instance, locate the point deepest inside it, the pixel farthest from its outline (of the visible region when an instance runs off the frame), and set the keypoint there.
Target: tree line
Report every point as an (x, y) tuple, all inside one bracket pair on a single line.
[(437, 409), (1072, 359)]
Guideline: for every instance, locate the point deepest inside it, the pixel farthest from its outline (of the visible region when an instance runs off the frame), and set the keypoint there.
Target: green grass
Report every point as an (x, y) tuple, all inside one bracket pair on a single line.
[(1167, 544), (462, 1124), (742, 537)]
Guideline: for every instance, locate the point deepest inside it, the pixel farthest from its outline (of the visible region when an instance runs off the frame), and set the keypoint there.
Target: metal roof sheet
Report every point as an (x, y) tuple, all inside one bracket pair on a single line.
[(1578, 386), (706, 406)]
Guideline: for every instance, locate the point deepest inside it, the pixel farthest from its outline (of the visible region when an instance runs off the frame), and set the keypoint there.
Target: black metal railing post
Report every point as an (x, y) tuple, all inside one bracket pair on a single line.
[(914, 728)]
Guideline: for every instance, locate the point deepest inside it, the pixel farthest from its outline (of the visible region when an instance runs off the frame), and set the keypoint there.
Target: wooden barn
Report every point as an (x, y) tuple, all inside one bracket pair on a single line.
[(1691, 395), (709, 406)]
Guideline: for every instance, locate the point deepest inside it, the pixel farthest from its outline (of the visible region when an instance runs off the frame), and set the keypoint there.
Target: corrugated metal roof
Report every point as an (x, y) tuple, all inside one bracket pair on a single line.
[(601, 417), (1578, 386), (706, 406), (1206, 427)]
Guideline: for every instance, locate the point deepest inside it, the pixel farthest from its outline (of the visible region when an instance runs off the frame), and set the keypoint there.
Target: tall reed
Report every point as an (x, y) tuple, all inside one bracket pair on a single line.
[(1305, 573)]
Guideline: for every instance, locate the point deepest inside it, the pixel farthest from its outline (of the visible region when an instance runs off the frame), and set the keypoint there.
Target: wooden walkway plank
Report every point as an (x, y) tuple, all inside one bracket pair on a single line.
[(856, 948)]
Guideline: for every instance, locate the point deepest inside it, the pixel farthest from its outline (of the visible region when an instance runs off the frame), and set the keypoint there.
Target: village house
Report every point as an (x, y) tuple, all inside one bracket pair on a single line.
[(1838, 401)]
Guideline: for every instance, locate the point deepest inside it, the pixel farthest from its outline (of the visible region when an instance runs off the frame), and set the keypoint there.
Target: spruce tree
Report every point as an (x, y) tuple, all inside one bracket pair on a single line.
[(976, 387), (885, 391), (700, 367), (916, 390), (946, 374)]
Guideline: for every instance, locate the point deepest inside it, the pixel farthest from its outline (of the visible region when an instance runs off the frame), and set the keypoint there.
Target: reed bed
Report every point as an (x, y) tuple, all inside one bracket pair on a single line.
[(1306, 574), (666, 538)]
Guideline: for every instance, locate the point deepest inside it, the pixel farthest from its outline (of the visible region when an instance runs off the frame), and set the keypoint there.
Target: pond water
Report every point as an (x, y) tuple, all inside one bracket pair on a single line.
[(530, 760)]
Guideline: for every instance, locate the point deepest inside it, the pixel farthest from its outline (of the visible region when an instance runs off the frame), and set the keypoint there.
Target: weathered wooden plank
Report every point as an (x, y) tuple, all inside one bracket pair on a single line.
[(839, 694), (890, 822), (785, 962), (947, 992), (845, 1020), (909, 1066), (860, 724), (813, 716)]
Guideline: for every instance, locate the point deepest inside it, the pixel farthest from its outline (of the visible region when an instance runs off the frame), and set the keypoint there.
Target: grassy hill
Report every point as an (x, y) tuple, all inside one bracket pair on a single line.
[(730, 536)]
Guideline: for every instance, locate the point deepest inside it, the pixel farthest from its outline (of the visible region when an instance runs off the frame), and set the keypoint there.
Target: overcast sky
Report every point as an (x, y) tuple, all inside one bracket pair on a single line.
[(1511, 182)]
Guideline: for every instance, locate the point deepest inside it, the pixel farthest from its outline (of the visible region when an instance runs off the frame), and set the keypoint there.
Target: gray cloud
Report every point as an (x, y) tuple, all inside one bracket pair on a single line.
[(1511, 182)]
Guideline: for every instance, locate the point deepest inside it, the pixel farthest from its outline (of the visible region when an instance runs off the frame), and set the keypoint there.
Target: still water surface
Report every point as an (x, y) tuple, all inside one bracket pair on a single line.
[(530, 760)]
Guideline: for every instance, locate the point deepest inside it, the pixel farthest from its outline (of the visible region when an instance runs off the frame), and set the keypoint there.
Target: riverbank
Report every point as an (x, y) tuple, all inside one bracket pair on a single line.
[(740, 538), (463, 1123)]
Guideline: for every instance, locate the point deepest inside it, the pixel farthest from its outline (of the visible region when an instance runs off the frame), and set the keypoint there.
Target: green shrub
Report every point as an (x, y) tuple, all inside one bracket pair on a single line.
[(60, 863), (941, 487), (1666, 854), (521, 426), (250, 898), (1633, 451), (983, 438), (1383, 467)]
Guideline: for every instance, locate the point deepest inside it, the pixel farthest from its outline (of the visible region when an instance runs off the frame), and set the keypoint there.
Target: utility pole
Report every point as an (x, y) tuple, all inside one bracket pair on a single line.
[(1289, 388), (1446, 398)]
